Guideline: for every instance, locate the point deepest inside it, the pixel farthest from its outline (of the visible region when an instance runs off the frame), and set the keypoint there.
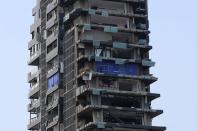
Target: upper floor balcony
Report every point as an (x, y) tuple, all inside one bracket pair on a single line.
[(51, 5), (52, 18), (110, 12), (52, 122), (33, 75), (52, 69), (35, 25), (36, 8), (52, 54), (70, 2), (53, 104), (34, 41), (34, 91), (34, 57), (109, 87), (52, 35), (34, 123), (34, 105)]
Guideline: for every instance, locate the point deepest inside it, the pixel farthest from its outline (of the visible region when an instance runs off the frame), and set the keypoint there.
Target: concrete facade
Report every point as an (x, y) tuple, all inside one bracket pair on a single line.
[(91, 60)]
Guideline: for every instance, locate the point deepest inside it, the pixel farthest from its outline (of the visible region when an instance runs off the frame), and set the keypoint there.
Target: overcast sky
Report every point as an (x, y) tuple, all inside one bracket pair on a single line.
[(173, 25)]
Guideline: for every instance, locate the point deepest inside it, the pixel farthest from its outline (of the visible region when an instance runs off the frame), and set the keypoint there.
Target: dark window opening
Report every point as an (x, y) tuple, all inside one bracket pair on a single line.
[(52, 46)]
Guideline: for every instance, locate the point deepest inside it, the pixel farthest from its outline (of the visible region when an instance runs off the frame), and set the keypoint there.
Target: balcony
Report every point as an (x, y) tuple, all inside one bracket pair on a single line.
[(52, 122), (115, 67), (51, 6), (35, 25), (34, 41), (111, 30), (119, 111), (51, 38), (84, 90), (34, 105), (51, 22), (53, 89), (53, 70), (148, 63), (114, 44), (89, 74), (34, 58), (34, 123), (52, 54), (33, 75), (34, 10), (118, 61), (34, 91), (53, 104)]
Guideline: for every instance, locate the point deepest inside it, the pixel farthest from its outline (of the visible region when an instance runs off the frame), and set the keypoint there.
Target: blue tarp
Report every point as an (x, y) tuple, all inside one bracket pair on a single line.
[(109, 67), (53, 81)]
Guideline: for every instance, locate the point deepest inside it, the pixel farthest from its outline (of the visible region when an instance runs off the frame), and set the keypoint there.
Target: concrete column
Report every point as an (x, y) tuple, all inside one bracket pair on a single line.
[(97, 114)]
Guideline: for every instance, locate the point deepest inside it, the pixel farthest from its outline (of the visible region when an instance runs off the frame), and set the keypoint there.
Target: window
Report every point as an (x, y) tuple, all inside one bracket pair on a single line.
[(51, 14), (52, 30), (52, 46)]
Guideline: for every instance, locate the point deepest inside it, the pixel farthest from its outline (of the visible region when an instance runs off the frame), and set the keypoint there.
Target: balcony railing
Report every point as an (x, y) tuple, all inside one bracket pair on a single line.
[(51, 5), (34, 11), (34, 41), (33, 75), (33, 60), (51, 22), (52, 122), (53, 104), (33, 92), (34, 104), (34, 123), (37, 23), (54, 68), (35, 86), (34, 55)]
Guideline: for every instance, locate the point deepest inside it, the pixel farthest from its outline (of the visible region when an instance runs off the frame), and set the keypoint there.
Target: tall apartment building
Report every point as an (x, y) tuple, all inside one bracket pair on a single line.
[(91, 66)]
